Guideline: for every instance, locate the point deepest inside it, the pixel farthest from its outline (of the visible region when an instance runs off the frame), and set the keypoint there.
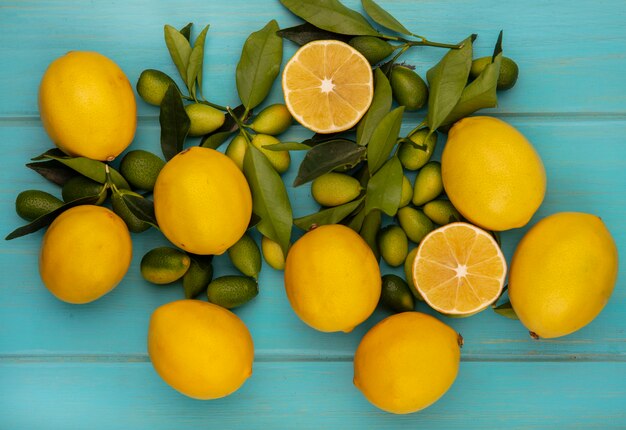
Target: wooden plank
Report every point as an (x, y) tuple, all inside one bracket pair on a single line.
[(571, 56), (584, 160), (310, 396)]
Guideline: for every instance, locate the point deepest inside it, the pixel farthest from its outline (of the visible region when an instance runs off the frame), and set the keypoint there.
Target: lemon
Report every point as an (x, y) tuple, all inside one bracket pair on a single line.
[(203, 119), (141, 168), (372, 48), (428, 183), (200, 349), (395, 294), (152, 86), (413, 158), (85, 253), (492, 174), (407, 192), (563, 273), (409, 89), (332, 278), (31, 204), (280, 160), (328, 86), (406, 362), (87, 106), (334, 189), (202, 201), (246, 256), (236, 150), (273, 253), (232, 291), (164, 265), (393, 245), (79, 187), (273, 120)]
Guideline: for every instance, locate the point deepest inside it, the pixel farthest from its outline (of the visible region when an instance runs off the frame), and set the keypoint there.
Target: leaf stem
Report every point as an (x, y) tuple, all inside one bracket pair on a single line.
[(242, 126), (426, 42), (205, 102), (419, 126)]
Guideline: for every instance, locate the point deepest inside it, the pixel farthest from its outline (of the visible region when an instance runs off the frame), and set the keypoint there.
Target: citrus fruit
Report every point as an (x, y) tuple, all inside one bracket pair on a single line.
[(246, 256), (87, 106), (492, 174), (459, 269), (202, 201), (428, 184), (152, 86), (273, 120), (393, 245), (413, 158), (141, 168), (120, 207), (273, 253), (409, 89), (334, 189), (232, 291), (407, 192), (406, 362), (31, 204), (236, 150), (373, 49), (441, 212), (203, 119), (395, 294), (200, 349), (85, 253), (415, 224), (332, 278), (328, 86), (408, 273), (79, 186), (280, 160), (198, 276), (509, 71), (562, 273), (164, 265)]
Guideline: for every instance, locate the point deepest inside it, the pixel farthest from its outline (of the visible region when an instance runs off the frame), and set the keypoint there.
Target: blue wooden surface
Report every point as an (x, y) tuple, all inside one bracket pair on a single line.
[(64, 366)]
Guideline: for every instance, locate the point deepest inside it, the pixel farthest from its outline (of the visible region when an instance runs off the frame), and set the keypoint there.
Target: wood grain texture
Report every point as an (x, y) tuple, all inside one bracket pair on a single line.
[(65, 366)]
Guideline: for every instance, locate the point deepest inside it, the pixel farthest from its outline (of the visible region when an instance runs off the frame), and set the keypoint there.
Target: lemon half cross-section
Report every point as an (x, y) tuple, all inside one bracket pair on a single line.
[(459, 269), (328, 86)]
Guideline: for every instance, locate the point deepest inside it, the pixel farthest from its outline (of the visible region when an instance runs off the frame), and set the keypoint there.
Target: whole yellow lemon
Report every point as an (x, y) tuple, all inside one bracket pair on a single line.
[(406, 362), (202, 201), (84, 254), (87, 106), (332, 278), (562, 273), (492, 174), (200, 349)]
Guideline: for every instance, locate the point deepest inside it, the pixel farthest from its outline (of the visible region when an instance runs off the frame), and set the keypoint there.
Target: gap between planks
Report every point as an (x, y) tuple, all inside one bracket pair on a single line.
[(275, 357)]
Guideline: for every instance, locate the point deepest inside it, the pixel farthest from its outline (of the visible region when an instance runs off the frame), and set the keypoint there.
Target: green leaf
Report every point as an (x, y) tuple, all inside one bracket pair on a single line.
[(384, 190), (383, 139), (259, 65), (179, 48), (305, 33), (384, 18), (219, 136), (506, 310), (446, 83), (288, 146), (186, 31), (331, 15), (355, 222), (196, 59), (381, 103), (141, 207), (92, 169), (269, 198), (46, 219), (327, 156), (174, 123), (370, 228), (53, 170), (328, 216)]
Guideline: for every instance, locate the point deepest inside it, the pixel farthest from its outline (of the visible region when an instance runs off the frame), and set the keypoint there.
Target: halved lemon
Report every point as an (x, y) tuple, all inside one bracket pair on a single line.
[(328, 86), (459, 269)]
